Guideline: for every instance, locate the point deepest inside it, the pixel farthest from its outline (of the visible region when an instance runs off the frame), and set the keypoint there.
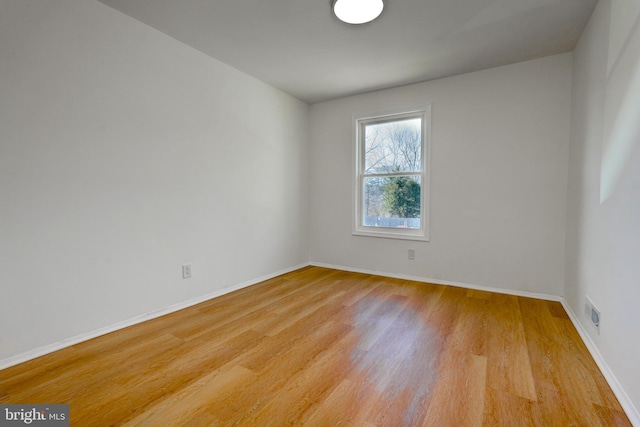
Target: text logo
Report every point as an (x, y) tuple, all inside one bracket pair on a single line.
[(34, 415)]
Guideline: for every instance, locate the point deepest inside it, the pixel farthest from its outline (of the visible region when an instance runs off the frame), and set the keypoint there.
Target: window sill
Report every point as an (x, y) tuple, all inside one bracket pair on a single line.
[(395, 234)]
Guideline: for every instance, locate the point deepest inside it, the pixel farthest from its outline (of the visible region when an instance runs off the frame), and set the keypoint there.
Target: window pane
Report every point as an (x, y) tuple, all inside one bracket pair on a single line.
[(392, 202), (393, 146)]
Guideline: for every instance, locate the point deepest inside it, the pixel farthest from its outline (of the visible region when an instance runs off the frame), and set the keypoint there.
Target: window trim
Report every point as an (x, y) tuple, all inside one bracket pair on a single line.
[(359, 121)]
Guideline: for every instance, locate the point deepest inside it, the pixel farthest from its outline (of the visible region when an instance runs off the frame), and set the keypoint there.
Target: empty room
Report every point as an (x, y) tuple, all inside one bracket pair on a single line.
[(320, 212)]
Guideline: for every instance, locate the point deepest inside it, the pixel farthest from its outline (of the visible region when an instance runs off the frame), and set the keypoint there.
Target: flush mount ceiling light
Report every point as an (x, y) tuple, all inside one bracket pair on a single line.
[(357, 11)]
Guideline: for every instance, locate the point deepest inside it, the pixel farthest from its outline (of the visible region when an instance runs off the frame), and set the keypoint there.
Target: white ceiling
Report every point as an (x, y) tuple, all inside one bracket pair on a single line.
[(299, 47)]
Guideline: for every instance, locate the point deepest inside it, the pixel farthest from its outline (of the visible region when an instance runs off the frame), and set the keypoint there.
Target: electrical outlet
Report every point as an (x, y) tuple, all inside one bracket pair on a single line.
[(592, 314), (412, 254), (186, 271)]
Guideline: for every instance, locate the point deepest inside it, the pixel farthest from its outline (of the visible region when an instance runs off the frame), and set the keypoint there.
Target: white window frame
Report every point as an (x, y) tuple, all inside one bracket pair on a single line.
[(359, 122)]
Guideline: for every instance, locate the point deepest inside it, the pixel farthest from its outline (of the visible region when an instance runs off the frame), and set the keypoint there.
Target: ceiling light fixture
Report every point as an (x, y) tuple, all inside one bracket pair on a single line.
[(357, 11)]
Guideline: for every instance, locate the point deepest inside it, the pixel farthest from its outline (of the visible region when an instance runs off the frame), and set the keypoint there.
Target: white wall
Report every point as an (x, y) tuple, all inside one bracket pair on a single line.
[(499, 152), (124, 154), (603, 217)]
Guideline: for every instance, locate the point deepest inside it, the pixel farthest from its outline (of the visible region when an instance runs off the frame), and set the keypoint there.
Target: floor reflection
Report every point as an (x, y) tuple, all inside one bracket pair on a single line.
[(398, 353)]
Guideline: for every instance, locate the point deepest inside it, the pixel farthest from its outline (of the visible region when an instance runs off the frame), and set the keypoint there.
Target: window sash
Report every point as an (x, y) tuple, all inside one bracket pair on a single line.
[(371, 204)]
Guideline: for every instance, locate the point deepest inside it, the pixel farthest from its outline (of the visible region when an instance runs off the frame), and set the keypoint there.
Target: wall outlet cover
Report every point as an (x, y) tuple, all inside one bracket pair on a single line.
[(186, 271)]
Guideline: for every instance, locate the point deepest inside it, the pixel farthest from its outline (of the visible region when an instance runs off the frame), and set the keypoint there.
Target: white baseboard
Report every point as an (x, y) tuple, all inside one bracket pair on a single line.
[(50, 348), (626, 403), (444, 282)]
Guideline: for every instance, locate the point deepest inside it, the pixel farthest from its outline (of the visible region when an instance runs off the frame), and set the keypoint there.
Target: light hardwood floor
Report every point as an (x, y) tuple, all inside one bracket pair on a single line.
[(323, 347)]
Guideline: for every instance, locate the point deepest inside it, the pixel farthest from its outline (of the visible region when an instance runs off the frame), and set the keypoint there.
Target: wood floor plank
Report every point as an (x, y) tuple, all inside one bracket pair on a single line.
[(182, 407), (282, 295), (340, 407), (560, 361), (509, 368), (305, 308), (388, 366), (468, 379), (273, 347), (374, 324), (244, 403), (359, 288), (323, 347), (307, 390), (506, 409), (466, 370), (154, 382), (95, 374)]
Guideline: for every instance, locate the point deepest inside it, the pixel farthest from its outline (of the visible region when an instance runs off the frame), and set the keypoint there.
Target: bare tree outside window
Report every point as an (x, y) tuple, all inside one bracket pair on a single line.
[(392, 163), (393, 147)]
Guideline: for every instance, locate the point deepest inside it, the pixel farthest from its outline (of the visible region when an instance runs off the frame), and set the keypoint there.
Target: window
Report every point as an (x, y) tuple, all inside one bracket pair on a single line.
[(392, 177)]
